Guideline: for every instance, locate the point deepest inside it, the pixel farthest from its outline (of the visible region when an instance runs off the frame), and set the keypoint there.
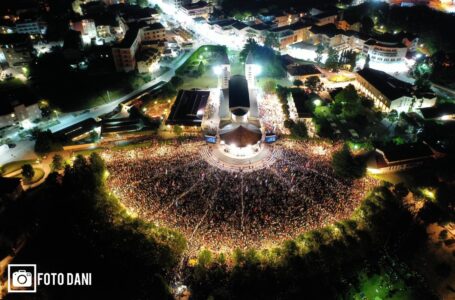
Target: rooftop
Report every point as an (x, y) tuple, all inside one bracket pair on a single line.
[(240, 135), (325, 14), (438, 111), (130, 36), (406, 152), (188, 108), (195, 5), (328, 30), (238, 94), (388, 85), (76, 130), (154, 26)]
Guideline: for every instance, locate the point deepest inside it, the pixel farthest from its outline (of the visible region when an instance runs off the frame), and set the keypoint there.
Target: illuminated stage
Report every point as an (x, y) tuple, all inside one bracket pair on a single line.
[(253, 160)]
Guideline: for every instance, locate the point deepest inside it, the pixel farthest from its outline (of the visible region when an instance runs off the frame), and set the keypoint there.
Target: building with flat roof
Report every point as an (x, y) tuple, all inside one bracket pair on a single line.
[(384, 52), (124, 53), (441, 112), (395, 158), (200, 9), (77, 131), (188, 108), (302, 72), (19, 106)]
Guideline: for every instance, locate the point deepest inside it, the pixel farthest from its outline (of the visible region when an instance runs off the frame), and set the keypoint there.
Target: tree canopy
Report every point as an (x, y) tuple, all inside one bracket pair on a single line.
[(346, 165)]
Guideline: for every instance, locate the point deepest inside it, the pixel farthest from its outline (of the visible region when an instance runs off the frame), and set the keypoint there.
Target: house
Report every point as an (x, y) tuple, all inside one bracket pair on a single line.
[(389, 93), (302, 72), (15, 50), (148, 60), (290, 34), (153, 32), (176, 3), (124, 53), (200, 9), (19, 106), (324, 18), (396, 158), (441, 112), (384, 52), (348, 23), (328, 35), (31, 26), (286, 18)]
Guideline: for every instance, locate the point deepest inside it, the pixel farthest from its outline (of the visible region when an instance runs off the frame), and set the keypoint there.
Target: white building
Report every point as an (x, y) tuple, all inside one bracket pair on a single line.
[(384, 52), (389, 93), (18, 112), (30, 26)]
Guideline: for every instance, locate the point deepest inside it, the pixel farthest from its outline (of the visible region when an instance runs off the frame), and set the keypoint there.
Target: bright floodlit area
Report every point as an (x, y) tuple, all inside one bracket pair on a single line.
[(171, 184)]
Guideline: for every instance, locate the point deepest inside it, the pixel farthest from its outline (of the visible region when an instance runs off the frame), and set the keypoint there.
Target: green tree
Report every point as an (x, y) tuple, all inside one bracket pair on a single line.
[(271, 40), (349, 102), (319, 51), (28, 172), (168, 91), (367, 24), (205, 258), (250, 46), (313, 83), (201, 68), (422, 73), (332, 61), (298, 83), (57, 163), (177, 81), (178, 130), (346, 165), (45, 142), (269, 86), (299, 130)]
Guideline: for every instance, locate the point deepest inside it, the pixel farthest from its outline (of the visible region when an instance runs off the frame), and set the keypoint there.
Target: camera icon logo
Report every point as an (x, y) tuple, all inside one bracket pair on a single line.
[(21, 278)]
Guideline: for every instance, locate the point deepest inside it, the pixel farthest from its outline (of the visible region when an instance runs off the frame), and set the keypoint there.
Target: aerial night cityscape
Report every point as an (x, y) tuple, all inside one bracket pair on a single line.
[(227, 149)]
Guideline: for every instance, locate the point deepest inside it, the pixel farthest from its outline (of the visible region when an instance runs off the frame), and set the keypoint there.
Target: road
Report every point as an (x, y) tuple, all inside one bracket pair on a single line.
[(24, 148)]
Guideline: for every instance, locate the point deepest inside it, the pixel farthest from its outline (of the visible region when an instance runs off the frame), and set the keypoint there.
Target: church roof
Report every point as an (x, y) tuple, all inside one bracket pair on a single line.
[(240, 135), (238, 93)]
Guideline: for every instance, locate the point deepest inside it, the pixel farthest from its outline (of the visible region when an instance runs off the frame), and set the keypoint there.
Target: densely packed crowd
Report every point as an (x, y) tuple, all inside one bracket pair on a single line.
[(172, 185), (271, 114)]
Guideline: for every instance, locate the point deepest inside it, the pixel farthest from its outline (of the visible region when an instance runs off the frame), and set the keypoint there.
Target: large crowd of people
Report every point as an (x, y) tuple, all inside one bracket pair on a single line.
[(172, 185), (271, 114)]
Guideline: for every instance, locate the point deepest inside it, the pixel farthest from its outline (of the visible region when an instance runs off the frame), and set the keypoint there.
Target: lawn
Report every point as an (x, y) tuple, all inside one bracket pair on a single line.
[(14, 166), (206, 81), (208, 54)]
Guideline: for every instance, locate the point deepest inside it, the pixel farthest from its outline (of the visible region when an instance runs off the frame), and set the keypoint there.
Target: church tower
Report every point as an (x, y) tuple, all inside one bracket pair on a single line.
[(224, 72), (251, 70)]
